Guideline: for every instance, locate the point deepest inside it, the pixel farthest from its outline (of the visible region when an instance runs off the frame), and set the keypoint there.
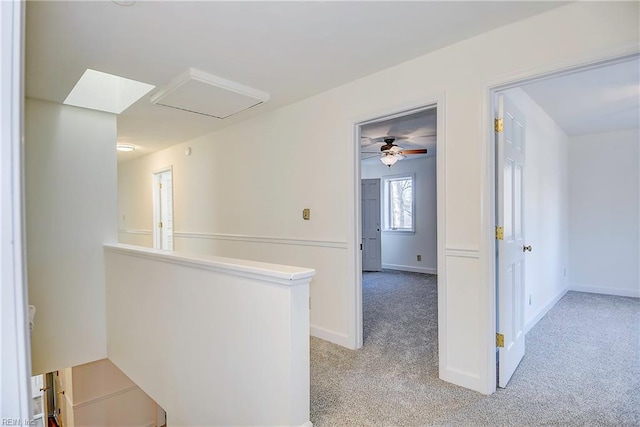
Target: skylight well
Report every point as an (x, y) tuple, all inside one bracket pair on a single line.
[(105, 92)]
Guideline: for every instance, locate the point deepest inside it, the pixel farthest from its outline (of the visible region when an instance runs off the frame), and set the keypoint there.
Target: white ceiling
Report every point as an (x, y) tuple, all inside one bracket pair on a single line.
[(413, 131), (596, 100), (290, 49)]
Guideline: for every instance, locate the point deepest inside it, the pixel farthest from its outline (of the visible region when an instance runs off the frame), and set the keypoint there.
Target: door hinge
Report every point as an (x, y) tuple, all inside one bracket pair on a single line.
[(499, 233), (360, 246), (160, 185), (500, 340), (498, 124), (160, 225)]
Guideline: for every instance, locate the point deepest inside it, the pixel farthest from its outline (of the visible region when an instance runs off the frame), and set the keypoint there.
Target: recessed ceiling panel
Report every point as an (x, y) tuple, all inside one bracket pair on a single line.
[(202, 93)]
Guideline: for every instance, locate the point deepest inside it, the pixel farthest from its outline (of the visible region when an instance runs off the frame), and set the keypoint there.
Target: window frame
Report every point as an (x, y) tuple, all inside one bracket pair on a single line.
[(386, 203)]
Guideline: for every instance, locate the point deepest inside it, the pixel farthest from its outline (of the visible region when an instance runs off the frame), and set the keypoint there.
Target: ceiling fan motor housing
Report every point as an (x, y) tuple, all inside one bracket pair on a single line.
[(388, 143)]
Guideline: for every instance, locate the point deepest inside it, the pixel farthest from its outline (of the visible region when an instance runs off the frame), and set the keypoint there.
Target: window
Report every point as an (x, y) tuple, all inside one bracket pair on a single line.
[(399, 203)]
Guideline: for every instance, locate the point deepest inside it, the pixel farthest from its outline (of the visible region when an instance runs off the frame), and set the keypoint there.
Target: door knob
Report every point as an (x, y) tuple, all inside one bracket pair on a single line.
[(526, 248)]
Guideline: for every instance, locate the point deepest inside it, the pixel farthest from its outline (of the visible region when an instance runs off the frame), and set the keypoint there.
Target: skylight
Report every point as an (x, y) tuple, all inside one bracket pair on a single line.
[(105, 92)]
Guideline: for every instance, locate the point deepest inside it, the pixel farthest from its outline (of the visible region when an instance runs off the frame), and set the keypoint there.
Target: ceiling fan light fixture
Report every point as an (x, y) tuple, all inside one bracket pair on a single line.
[(389, 159)]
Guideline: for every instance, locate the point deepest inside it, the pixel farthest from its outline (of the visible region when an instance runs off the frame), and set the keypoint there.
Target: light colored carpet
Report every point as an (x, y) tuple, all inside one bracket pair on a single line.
[(582, 365)]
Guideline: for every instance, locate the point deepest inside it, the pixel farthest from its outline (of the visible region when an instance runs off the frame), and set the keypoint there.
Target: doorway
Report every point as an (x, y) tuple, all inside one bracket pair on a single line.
[(558, 214), (397, 220), (163, 209)]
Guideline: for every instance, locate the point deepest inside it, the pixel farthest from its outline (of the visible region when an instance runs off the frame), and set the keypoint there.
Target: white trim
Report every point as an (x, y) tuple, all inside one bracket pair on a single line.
[(410, 268), (462, 252), (458, 377), (355, 335), (273, 273), (168, 168), (210, 79), (156, 231), (544, 310), (307, 424), (15, 353), (133, 231), (329, 335), (260, 239), (487, 177), (386, 203), (104, 397), (621, 292)]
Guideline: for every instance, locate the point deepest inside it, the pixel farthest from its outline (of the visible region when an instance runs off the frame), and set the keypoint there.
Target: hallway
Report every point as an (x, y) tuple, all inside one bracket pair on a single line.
[(581, 365)]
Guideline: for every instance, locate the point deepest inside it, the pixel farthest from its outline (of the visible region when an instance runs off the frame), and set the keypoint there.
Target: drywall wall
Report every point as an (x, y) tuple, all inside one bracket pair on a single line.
[(604, 225), (136, 191), (71, 196), (99, 394), (546, 208), (249, 200), (215, 341), (399, 250)]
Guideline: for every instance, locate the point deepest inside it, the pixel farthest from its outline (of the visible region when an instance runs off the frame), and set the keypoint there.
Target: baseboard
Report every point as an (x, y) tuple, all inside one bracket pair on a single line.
[(544, 310), (331, 336), (468, 380), (606, 290), (307, 424), (425, 270)]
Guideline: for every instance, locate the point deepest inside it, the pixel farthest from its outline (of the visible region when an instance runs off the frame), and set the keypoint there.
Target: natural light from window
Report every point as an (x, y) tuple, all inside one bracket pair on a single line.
[(105, 92), (399, 203)]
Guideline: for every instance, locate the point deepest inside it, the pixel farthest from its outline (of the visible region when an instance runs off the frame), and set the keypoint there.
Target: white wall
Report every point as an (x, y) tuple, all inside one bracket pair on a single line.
[(303, 156), (71, 198), (399, 250), (546, 208), (215, 341), (604, 212)]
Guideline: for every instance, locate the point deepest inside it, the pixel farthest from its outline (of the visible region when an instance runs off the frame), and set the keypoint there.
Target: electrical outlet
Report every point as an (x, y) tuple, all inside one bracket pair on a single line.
[(306, 214), (419, 257)]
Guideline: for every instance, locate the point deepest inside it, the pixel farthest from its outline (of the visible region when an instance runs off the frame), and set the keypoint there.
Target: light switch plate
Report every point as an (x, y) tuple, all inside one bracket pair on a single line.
[(306, 214)]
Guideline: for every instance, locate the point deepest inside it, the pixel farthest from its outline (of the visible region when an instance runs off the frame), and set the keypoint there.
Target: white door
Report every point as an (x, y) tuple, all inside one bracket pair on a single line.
[(371, 245), (37, 395), (163, 210), (510, 161)]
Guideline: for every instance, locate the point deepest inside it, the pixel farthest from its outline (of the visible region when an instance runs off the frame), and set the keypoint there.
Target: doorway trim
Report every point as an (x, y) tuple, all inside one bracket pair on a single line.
[(355, 235), (155, 201), (15, 343), (488, 173)]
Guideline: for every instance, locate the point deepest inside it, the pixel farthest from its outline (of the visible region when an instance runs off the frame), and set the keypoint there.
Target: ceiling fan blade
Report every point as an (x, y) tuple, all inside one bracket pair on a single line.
[(369, 152), (370, 157), (419, 151)]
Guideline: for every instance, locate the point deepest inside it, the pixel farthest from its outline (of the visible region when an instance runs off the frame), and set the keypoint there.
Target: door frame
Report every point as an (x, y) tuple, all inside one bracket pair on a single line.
[(156, 206), (488, 247), (355, 339), (15, 346)]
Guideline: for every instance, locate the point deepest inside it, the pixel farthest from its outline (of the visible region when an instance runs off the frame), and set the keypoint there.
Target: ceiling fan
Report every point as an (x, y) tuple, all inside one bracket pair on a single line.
[(390, 153)]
